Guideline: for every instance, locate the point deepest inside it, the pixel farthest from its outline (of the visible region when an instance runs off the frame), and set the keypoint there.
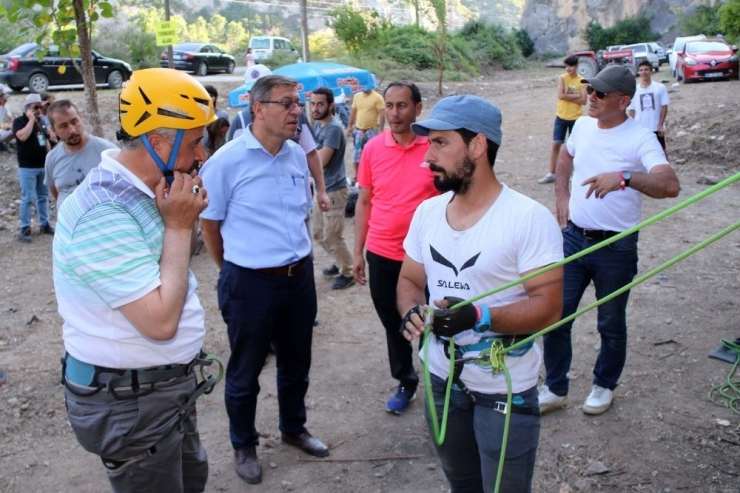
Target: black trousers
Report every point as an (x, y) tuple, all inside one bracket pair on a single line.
[(260, 308), (383, 273)]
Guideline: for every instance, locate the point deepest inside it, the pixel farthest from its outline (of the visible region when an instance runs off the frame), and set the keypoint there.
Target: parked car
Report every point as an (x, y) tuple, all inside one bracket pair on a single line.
[(264, 47), (707, 59), (199, 58), (679, 45), (21, 68), (659, 50), (642, 52)]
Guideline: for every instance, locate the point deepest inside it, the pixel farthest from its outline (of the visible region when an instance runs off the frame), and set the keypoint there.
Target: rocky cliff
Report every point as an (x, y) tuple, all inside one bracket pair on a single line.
[(557, 25)]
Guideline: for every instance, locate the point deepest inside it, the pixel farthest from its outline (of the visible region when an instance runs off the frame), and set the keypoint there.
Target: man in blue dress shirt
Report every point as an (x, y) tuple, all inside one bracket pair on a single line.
[(255, 230)]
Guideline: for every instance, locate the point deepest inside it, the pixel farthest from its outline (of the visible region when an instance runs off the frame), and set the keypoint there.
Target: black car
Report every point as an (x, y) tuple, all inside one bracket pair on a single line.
[(200, 58), (21, 68)]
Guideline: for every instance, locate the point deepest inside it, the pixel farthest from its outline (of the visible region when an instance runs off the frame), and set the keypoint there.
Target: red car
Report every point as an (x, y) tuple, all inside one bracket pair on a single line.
[(707, 59)]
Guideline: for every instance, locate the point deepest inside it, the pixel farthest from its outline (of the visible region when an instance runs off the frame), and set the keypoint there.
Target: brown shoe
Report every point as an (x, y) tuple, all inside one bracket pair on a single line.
[(247, 466), (307, 443)]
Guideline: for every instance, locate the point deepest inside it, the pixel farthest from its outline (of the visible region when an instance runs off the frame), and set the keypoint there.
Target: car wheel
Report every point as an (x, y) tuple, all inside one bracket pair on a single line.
[(38, 83), (115, 80), (587, 67), (16, 88), (202, 69), (230, 68)]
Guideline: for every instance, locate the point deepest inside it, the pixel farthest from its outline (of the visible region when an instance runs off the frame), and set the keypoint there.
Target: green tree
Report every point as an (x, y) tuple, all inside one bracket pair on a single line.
[(236, 36), (198, 31), (353, 26), (729, 17), (324, 44), (217, 29), (703, 19), (439, 45), (627, 31), (68, 24), (524, 41)]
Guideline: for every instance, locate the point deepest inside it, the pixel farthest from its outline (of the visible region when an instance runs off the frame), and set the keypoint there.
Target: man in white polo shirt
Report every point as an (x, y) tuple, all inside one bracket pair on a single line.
[(133, 325)]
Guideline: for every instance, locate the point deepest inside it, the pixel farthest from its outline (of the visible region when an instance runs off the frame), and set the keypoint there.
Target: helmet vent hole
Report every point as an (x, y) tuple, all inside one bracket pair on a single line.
[(143, 95), (144, 117)]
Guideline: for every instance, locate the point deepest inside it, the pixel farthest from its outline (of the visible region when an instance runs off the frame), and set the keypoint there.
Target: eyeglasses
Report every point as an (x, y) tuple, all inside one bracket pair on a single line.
[(287, 104), (35, 107), (601, 95)]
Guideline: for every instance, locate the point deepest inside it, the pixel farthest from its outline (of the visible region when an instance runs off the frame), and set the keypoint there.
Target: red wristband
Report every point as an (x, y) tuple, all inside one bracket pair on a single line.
[(622, 185)]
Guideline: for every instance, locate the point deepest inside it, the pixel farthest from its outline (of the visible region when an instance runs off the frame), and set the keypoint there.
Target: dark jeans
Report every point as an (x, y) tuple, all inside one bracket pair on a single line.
[(383, 273), (610, 268), (472, 446), (259, 308), (561, 129)]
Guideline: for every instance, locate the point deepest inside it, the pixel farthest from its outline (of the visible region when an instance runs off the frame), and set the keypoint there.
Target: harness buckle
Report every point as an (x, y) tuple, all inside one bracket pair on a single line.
[(500, 407)]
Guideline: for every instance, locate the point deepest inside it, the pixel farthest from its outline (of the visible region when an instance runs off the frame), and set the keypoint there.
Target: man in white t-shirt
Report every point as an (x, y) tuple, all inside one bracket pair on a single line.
[(68, 164), (613, 161), (649, 106), (478, 235)]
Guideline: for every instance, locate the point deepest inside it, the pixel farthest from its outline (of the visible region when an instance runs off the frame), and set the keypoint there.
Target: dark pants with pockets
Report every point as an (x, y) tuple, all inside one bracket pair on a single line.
[(121, 429), (472, 448), (383, 273), (260, 308)]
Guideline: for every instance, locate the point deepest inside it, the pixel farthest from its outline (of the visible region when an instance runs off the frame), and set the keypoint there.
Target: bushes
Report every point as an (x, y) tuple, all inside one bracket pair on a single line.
[(627, 31), (492, 44), (131, 44)]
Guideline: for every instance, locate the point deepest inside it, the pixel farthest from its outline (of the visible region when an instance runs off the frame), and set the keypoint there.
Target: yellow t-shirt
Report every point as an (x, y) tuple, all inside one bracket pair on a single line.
[(368, 107), (568, 110)]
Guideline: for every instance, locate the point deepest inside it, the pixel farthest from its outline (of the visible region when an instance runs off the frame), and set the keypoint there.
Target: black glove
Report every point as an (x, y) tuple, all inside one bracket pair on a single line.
[(448, 322), (407, 317)]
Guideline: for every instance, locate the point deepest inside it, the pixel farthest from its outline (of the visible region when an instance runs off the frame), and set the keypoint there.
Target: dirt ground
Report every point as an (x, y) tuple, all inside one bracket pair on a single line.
[(661, 435)]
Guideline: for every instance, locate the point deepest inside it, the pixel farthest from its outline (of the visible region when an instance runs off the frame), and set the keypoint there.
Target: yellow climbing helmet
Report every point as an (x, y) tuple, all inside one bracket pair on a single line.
[(163, 98)]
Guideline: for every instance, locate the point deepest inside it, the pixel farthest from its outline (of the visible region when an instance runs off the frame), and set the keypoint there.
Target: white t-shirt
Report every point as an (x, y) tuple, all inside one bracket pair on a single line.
[(626, 147), (647, 104), (515, 235)]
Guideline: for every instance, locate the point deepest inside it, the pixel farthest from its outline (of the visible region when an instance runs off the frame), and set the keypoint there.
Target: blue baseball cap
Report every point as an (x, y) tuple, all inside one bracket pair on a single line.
[(469, 112)]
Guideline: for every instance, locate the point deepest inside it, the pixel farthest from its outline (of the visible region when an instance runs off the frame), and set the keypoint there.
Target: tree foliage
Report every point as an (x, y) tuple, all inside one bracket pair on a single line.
[(729, 17), (354, 26), (525, 42), (627, 31), (704, 19)]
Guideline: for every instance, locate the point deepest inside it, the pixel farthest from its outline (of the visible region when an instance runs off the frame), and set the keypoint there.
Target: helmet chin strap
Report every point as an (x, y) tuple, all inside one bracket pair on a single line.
[(169, 168)]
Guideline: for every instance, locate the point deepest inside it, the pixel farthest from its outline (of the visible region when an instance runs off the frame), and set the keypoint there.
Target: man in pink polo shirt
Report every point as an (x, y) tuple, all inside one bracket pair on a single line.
[(393, 180)]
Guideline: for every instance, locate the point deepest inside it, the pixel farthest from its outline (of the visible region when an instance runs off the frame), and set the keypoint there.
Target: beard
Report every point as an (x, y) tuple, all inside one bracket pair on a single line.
[(459, 181), (73, 140), (321, 116)]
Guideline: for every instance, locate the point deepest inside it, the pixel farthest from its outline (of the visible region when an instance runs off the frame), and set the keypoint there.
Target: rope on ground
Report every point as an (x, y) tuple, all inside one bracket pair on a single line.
[(728, 394), (497, 353)]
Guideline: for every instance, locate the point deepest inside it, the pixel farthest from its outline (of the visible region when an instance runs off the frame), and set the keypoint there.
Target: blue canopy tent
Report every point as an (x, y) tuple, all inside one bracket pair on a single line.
[(311, 75)]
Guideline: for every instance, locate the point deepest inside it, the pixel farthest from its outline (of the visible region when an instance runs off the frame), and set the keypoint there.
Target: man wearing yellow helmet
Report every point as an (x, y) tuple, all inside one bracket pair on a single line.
[(133, 325)]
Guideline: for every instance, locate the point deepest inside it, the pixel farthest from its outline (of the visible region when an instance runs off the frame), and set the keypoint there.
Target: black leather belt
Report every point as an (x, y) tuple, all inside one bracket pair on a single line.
[(593, 234), (285, 270)]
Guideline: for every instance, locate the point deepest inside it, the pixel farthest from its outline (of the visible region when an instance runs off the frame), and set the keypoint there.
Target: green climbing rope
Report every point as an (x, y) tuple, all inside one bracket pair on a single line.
[(728, 394), (497, 352)]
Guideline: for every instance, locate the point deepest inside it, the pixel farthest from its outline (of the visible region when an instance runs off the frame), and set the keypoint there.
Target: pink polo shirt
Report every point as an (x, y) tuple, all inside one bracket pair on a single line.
[(399, 181)]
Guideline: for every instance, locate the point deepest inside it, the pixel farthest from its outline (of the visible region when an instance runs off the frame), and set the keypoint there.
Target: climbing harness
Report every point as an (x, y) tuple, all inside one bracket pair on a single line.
[(85, 380)]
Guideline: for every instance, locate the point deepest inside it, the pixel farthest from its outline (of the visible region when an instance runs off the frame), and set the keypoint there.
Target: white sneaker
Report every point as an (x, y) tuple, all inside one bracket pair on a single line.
[(548, 178), (598, 401), (549, 401)]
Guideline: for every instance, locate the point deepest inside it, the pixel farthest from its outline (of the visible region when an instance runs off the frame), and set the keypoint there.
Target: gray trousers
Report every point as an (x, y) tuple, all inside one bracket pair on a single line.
[(121, 429)]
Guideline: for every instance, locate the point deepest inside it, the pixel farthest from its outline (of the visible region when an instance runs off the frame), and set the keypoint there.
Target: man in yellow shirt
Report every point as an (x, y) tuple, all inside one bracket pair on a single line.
[(366, 120), (571, 98)]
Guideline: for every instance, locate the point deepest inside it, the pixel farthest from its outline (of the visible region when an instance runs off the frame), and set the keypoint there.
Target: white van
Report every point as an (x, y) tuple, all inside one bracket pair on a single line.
[(679, 45), (263, 47)]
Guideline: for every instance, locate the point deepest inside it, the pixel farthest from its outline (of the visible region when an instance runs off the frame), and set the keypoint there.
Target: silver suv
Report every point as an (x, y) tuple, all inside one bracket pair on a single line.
[(644, 51)]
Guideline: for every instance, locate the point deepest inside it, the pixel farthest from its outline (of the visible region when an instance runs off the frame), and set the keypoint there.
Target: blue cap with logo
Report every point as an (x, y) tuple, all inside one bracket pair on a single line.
[(469, 112)]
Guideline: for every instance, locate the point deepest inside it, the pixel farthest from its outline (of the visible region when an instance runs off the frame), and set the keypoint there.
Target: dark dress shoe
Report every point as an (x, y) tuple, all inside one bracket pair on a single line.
[(307, 443), (247, 466)]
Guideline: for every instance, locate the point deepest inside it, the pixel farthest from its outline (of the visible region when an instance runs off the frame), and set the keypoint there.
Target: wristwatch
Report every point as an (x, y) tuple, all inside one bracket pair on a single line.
[(626, 177)]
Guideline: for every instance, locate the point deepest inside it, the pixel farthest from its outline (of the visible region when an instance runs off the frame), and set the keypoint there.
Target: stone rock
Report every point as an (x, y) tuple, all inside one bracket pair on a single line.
[(596, 468), (707, 180), (557, 26), (273, 465), (287, 485)]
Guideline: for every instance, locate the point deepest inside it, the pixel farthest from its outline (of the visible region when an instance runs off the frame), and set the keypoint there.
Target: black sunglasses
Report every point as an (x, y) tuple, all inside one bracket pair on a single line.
[(287, 104), (601, 95), (35, 107)]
